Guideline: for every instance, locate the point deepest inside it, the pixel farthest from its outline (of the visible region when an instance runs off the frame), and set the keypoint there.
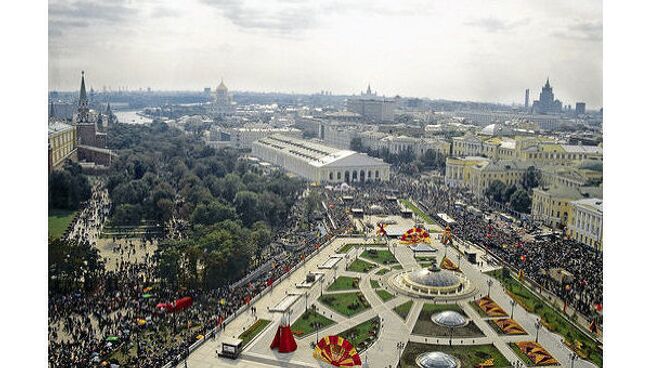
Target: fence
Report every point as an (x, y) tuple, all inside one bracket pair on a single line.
[(244, 307), (532, 285)]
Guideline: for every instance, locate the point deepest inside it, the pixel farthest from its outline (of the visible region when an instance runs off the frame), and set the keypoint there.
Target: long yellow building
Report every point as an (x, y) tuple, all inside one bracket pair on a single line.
[(552, 205), (476, 173), (62, 143), (530, 150)]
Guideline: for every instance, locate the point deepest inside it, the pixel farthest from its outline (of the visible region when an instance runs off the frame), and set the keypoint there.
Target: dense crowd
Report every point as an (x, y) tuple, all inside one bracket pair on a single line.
[(81, 323), (536, 257), (85, 329)]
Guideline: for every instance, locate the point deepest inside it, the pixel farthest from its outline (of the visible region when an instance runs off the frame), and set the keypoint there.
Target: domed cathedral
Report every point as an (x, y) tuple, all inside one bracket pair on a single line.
[(222, 103)]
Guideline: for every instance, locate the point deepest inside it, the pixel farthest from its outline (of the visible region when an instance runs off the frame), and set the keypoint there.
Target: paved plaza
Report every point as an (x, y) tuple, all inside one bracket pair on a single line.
[(383, 352)]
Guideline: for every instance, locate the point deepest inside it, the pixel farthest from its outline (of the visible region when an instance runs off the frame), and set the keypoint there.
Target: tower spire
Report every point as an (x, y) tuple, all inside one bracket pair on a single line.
[(82, 92), (82, 109)]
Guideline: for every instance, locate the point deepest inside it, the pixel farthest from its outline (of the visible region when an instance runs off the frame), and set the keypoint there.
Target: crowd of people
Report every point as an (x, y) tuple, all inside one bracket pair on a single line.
[(89, 329), (535, 257)]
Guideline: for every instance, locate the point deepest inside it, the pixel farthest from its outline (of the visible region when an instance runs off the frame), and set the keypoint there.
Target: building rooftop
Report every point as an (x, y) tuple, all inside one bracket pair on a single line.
[(579, 148), (317, 154), (594, 204), (57, 126), (562, 191)]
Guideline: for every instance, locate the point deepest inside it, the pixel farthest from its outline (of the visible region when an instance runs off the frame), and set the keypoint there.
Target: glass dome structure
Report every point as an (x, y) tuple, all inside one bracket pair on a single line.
[(436, 359), (442, 278), (449, 319)]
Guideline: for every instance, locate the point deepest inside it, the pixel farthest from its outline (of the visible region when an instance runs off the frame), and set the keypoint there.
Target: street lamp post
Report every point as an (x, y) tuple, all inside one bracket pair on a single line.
[(538, 325), (317, 325), (489, 284), (512, 313), (322, 278), (400, 346), (306, 295)]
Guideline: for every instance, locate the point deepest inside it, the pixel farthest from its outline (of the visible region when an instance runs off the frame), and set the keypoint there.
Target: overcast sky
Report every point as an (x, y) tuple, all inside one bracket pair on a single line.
[(476, 50)]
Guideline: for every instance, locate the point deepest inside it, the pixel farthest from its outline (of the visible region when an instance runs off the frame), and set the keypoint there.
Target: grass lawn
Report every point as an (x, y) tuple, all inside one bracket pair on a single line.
[(380, 256), (304, 325), (362, 335), (521, 354), (425, 326), (253, 331), (346, 248), (383, 271), (347, 304), (469, 355), (426, 218), (361, 266), (374, 284), (58, 221), (397, 267), (552, 319), (403, 310), (344, 283), (384, 295)]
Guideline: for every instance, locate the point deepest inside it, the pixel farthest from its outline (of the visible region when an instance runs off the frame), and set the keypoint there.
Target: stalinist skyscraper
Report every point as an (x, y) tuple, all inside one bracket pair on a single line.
[(547, 104)]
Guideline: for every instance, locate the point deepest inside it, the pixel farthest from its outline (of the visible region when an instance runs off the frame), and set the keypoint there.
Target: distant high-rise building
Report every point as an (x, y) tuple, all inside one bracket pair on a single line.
[(370, 106), (547, 103), (526, 102), (222, 102), (581, 108)]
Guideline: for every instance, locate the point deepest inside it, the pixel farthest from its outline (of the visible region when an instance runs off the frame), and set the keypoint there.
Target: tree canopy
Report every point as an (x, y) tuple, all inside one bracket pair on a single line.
[(232, 210)]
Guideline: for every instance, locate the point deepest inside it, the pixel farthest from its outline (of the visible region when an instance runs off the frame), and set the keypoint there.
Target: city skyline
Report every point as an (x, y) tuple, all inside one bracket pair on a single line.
[(304, 48)]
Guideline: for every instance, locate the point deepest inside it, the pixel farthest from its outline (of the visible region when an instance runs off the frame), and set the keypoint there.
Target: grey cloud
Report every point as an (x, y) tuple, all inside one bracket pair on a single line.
[(582, 30), (294, 16), (163, 12), (375, 8), (493, 25), (81, 14), (282, 17)]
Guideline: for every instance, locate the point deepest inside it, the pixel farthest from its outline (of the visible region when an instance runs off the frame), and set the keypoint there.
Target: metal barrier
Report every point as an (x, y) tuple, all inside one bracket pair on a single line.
[(534, 285), (244, 307)]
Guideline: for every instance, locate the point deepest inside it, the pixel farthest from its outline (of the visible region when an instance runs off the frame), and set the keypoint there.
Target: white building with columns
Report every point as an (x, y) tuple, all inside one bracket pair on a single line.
[(319, 163), (586, 222)]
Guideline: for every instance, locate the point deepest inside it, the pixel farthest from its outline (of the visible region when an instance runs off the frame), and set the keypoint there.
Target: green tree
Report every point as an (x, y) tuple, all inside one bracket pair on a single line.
[(127, 215), (531, 178), (311, 203), (213, 212), (508, 192), (520, 201), (72, 266), (356, 144), (247, 205), (68, 187), (495, 190)]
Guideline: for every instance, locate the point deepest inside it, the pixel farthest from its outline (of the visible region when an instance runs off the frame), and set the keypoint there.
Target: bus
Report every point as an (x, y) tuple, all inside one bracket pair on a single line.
[(507, 218), (446, 219)]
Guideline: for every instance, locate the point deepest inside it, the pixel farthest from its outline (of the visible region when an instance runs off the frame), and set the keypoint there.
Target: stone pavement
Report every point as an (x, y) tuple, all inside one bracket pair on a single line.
[(383, 353)]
